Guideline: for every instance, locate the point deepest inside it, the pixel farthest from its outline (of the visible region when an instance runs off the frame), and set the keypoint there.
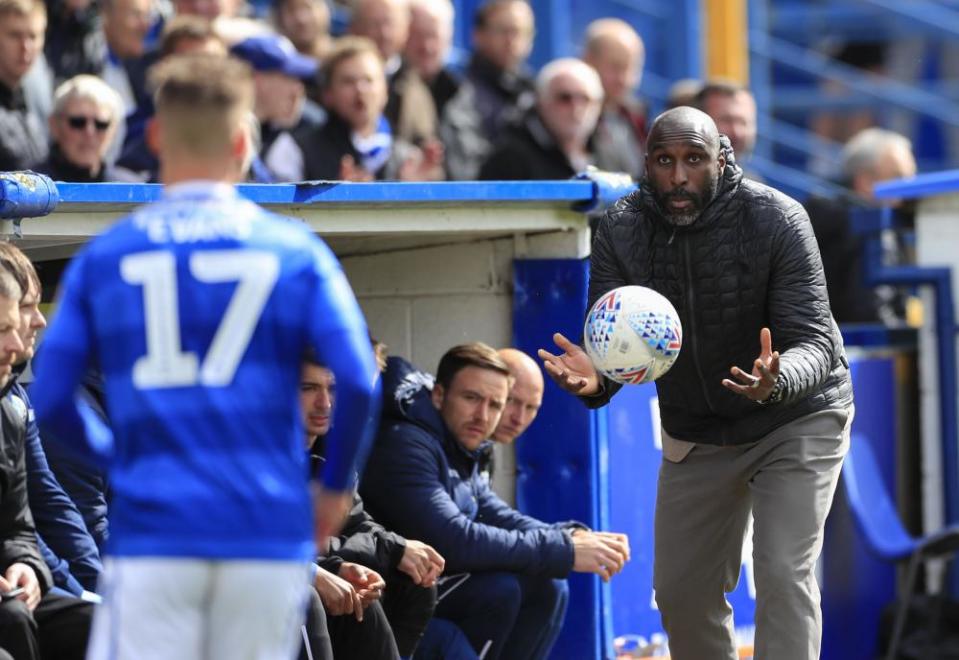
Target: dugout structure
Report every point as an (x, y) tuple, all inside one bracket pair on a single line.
[(434, 265)]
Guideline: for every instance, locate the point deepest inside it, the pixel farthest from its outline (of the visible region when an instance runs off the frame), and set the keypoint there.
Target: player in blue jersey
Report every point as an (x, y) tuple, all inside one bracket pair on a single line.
[(199, 309)]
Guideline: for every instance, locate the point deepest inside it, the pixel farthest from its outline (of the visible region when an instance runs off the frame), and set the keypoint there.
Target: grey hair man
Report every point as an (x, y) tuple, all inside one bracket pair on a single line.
[(551, 141), (86, 114), (870, 156), (874, 155)]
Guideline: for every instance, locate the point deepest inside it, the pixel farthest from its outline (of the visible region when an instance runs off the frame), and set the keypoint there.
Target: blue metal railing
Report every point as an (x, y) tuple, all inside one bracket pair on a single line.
[(939, 279), (786, 73)]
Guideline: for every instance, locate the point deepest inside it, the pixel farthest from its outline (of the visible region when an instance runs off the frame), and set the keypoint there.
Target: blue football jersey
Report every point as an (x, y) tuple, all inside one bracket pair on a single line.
[(198, 310)]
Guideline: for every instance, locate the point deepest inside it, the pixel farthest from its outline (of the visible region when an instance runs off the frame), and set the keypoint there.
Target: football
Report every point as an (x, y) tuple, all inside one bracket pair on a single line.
[(633, 335)]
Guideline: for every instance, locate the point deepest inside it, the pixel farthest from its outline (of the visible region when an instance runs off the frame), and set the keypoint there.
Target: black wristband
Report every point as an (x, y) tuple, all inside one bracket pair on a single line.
[(777, 394)]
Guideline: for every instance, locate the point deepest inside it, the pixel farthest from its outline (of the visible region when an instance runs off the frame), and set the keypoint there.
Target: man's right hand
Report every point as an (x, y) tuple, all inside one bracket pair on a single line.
[(601, 553), (338, 596), (573, 370), (422, 563)]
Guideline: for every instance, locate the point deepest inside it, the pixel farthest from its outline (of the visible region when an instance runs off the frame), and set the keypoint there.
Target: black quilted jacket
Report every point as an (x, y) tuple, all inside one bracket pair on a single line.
[(750, 261)]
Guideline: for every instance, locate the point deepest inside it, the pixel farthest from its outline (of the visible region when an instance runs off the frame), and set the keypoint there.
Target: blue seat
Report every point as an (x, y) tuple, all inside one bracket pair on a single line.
[(880, 524)]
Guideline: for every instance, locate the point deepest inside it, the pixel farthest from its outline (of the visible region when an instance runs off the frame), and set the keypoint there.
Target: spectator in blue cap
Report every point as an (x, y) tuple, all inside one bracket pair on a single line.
[(279, 74)]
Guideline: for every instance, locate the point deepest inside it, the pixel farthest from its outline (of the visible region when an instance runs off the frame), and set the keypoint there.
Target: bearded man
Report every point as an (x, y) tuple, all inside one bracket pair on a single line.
[(743, 435)]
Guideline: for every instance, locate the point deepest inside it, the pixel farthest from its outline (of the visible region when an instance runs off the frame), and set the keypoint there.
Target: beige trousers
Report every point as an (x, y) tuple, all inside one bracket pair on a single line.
[(705, 495)]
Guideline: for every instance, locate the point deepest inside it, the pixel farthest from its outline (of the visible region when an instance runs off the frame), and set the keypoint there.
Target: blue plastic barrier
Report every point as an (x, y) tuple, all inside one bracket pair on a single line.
[(857, 585)]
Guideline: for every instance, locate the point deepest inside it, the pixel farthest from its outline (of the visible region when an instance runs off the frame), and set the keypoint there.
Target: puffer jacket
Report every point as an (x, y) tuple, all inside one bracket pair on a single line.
[(750, 261), (420, 482)]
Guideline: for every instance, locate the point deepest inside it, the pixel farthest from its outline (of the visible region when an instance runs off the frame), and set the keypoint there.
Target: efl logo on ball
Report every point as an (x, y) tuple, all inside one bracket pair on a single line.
[(633, 335)]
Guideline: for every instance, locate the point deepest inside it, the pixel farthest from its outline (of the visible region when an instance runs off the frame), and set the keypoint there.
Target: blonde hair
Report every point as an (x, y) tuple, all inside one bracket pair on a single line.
[(202, 100), (90, 88), (22, 7)]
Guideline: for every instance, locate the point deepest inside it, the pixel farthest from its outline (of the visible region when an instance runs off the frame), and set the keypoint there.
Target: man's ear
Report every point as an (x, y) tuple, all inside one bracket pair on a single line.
[(721, 161), (862, 183), (437, 395), (153, 135), (240, 144)]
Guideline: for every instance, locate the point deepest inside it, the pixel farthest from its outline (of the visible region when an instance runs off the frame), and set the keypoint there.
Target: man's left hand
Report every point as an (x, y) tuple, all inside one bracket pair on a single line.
[(758, 385), (367, 582), (21, 575)]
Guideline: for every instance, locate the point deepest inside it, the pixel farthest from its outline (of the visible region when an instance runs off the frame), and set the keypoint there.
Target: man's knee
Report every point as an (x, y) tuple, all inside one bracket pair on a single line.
[(402, 593), (15, 614), (779, 576), (500, 590), (18, 629), (678, 597), (559, 599), (555, 594)]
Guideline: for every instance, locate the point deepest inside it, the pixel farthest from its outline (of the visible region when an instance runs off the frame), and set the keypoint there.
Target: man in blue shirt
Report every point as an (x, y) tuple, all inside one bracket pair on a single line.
[(198, 309)]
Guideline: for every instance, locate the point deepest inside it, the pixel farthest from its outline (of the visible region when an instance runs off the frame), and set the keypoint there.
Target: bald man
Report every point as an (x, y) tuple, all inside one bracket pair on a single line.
[(409, 109), (387, 24), (617, 53), (745, 432), (525, 397)]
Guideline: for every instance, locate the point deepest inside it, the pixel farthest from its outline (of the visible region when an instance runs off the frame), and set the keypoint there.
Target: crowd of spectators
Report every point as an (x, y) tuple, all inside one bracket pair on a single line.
[(431, 562), (381, 101)]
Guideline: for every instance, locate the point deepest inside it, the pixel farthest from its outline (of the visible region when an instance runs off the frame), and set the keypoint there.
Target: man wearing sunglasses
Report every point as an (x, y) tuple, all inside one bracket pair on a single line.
[(84, 120), (551, 141)]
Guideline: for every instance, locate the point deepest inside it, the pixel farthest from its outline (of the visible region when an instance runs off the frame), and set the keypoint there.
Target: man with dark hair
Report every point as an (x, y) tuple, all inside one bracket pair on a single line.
[(23, 140), (67, 547), (742, 434), (395, 621), (504, 583), (35, 622), (733, 108)]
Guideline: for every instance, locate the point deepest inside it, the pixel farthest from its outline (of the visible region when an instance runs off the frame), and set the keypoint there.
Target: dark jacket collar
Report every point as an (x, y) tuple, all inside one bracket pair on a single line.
[(60, 169), (18, 370), (508, 83), (12, 99), (407, 393)]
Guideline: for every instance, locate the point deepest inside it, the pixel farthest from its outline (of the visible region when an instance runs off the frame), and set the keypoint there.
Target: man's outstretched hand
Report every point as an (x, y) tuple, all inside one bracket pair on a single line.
[(573, 370), (758, 385)]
